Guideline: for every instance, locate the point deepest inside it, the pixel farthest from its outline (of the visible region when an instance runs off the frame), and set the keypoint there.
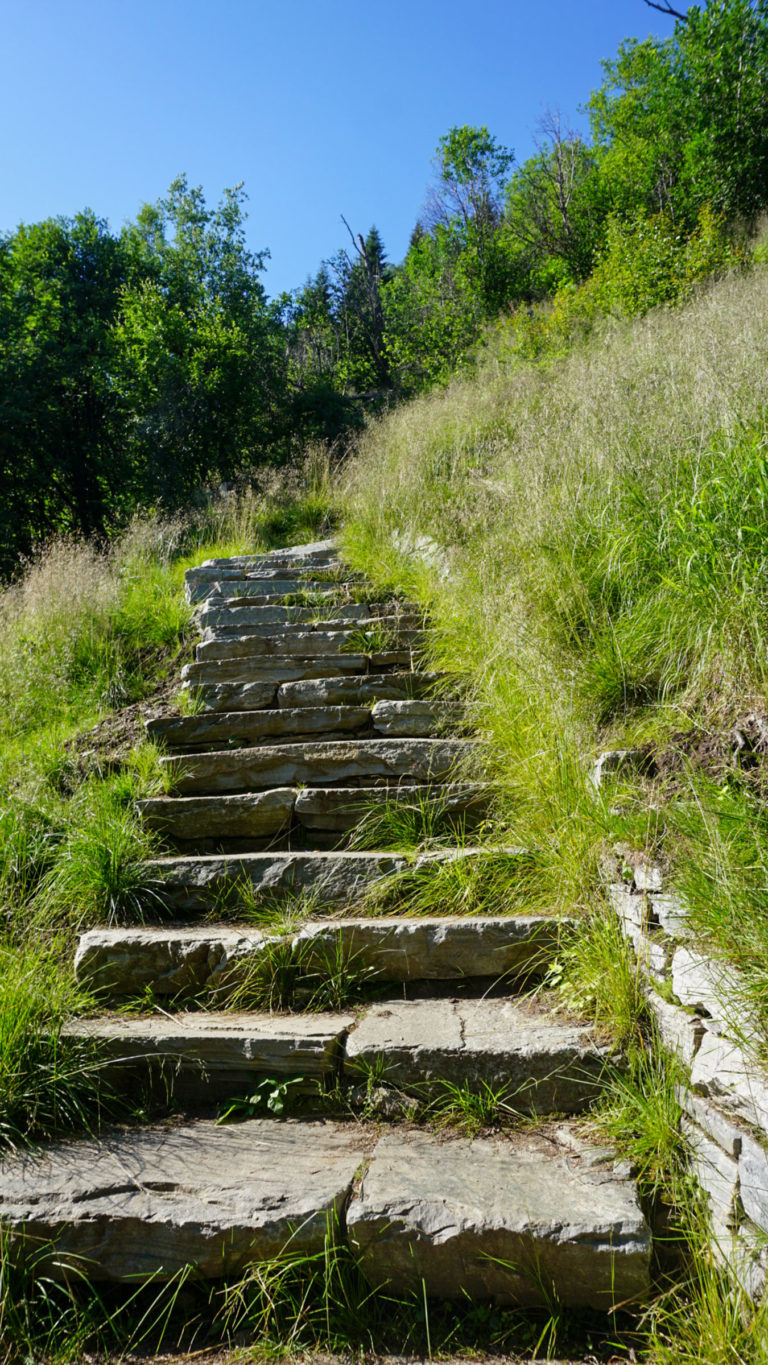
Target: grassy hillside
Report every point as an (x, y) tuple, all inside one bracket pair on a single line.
[(604, 517), (591, 535)]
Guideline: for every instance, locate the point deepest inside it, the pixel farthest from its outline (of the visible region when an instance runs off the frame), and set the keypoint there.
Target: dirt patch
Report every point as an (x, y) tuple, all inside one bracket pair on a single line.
[(107, 744), (739, 745)]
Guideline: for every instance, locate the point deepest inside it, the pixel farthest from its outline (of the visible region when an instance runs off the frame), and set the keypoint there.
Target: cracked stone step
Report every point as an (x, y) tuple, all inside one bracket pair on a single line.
[(250, 727), (147, 1202), (231, 615), (222, 583), (530, 1219), (340, 761), (225, 632), (203, 1056), (357, 691), (270, 671), (266, 591), (303, 645), (339, 809), (228, 882), (546, 1065), (177, 960), (250, 815)]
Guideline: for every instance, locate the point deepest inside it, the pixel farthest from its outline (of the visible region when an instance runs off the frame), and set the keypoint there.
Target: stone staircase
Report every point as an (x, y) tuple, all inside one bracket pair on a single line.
[(312, 717)]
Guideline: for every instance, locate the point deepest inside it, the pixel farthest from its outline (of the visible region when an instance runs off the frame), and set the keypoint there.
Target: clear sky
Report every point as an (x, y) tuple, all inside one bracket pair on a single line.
[(322, 107)]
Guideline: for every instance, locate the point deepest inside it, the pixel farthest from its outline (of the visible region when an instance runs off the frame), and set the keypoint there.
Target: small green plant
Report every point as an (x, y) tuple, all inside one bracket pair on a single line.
[(473, 1106), (271, 1094)]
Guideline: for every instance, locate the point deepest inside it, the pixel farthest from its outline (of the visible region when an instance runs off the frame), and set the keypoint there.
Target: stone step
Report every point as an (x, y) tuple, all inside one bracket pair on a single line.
[(340, 809), (231, 614), (314, 552), (357, 691), (530, 1220), (352, 762), (252, 727), (263, 816), (527, 1219), (228, 883), (200, 1056), (221, 583), (253, 816), (243, 729), (538, 1062), (337, 644), (272, 591), (543, 1064), (277, 669), (150, 1201), (226, 631), (180, 961)]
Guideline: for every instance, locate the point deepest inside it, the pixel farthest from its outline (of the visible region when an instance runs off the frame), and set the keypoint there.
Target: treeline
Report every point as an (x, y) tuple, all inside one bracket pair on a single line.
[(135, 368)]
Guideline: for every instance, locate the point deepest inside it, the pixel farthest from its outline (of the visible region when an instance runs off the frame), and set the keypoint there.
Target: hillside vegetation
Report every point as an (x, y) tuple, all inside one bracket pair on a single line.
[(603, 515)]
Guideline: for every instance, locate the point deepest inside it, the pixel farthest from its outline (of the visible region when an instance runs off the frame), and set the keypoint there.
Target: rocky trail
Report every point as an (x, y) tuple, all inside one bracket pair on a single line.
[(264, 968)]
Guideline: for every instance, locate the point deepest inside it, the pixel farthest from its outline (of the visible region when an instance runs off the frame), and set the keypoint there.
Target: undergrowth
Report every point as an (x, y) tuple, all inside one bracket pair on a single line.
[(86, 634)]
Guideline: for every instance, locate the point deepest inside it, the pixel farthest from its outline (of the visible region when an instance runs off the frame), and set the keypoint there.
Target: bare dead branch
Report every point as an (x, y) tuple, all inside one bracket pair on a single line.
[(667, 9)]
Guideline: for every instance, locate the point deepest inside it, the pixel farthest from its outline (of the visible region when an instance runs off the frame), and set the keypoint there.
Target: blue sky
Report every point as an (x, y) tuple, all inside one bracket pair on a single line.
[(322, 107)]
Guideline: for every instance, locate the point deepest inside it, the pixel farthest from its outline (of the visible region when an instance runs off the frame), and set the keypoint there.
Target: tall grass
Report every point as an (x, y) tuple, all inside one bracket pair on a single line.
[(84, 631)]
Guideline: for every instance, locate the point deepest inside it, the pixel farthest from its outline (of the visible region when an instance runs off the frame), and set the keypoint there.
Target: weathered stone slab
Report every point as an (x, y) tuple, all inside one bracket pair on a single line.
[(216, 881), (717, 1174), (439, 949), (251, 815), (272, 671), (339, 809), (173, 961), (178, 960), (753, 1180), (283, 765), (521, 1220), (230, 696), (714, 1123), (221, 583), (631, 910), (206, 1056), (232, 614), (548, 1066), (710, 986), (244, 727), (357, 691), (302, 644), (264, 591), (148, 1202), (671, 915), (407, 718), (225, 631), (679, 1031), (724, 1072)]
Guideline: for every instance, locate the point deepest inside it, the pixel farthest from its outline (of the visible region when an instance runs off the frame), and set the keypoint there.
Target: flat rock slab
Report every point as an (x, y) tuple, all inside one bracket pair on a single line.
[(303, 644), (356, 691), (222, 583), (522, 1221), (339, 809), (221, 882), (150, 1201), (545, 1065), (177, 961), (181, 960), (318, 765), (232, 614), (235, 696), (248, 728), (407, 718), (254, 815), (208, 1055), (270, 671)]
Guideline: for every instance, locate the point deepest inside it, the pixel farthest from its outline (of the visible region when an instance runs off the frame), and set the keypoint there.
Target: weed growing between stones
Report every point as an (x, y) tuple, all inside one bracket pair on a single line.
[(490, 882)]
